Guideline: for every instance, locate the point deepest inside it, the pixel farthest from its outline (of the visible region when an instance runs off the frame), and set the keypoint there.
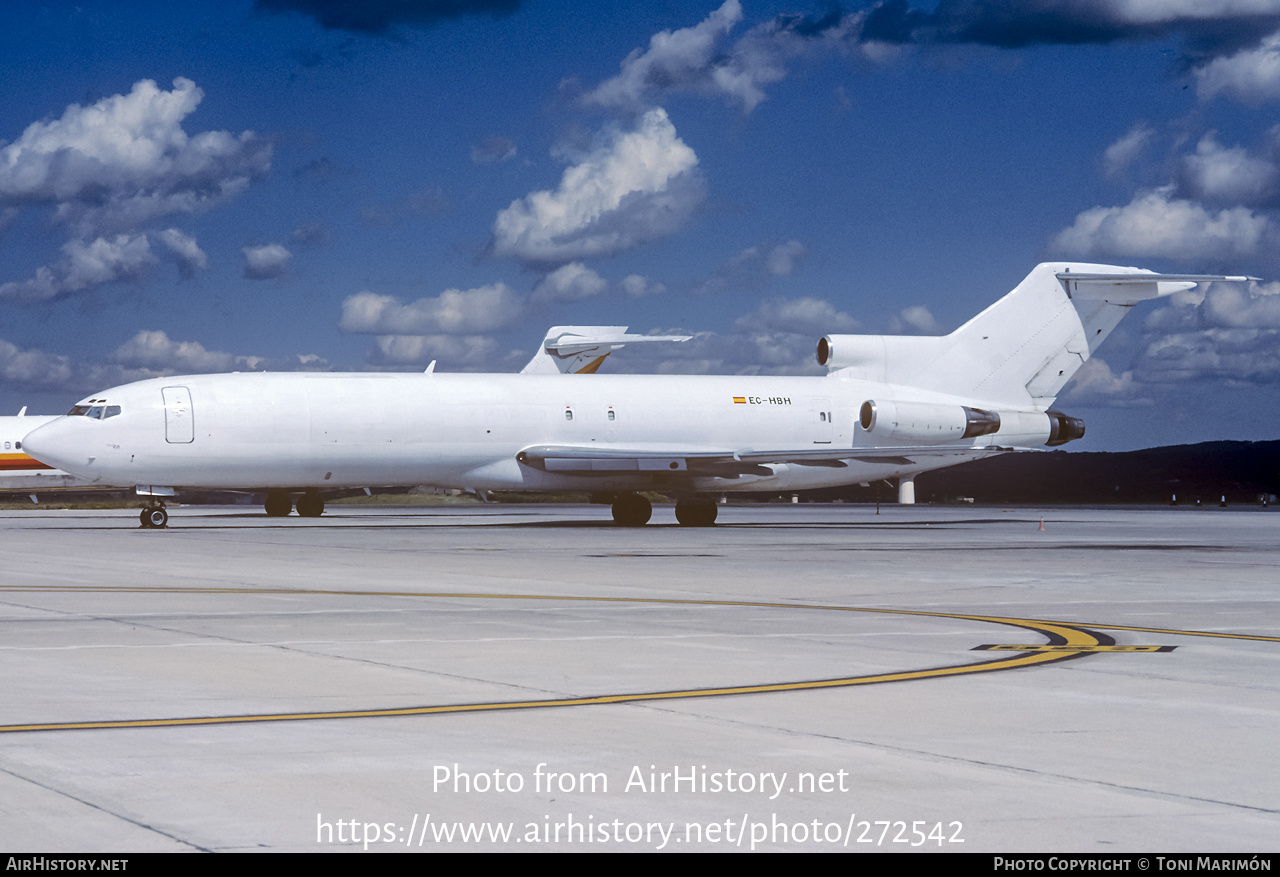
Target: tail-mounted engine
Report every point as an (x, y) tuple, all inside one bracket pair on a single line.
[(1063, 429), (927, 423)]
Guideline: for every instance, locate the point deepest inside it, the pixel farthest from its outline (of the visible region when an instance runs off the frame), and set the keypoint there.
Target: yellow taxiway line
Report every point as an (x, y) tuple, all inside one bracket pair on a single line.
[(1066, 641)]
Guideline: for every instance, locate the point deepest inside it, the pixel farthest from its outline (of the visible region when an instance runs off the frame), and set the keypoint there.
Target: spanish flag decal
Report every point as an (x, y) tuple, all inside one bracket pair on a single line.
[(739, 400)]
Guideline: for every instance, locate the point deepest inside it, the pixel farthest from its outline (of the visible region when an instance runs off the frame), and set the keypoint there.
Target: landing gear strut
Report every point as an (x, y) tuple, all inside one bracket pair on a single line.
[(696, 512), (631, 510), (154, 516)]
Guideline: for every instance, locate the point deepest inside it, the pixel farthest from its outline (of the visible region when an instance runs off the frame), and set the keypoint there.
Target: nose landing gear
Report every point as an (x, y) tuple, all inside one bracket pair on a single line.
[(154, 516)]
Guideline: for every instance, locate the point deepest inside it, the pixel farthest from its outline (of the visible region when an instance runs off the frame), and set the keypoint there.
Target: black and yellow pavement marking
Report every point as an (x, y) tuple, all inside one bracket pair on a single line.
[(1013, 647), (1066, 641)]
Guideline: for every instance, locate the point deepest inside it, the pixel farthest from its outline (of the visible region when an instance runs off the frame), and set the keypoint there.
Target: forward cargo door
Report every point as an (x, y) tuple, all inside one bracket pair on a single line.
[(179, 422)]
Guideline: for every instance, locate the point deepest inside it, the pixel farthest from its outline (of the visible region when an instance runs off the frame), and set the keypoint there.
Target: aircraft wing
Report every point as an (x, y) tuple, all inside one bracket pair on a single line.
[(590, 460)]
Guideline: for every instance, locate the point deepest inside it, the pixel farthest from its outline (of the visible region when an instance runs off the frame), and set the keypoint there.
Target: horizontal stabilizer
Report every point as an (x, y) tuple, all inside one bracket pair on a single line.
[(1153, 278), (579, 350), (1129, 289)]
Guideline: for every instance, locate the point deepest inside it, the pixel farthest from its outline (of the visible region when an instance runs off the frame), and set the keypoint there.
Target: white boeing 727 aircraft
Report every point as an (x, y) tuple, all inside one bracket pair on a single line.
[(890, 407)]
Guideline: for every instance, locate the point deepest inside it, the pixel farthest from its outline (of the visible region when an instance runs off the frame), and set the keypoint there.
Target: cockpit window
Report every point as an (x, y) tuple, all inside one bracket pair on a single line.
[(97, 412)]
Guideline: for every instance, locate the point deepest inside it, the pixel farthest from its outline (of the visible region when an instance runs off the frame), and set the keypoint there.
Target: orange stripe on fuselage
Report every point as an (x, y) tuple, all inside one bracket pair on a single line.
[(18, 462)]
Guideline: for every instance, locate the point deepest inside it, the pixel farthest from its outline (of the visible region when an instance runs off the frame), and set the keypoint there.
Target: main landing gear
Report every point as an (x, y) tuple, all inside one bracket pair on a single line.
[(154, 516), (310, 505), (279, 504), (633, 510), (697, 512)]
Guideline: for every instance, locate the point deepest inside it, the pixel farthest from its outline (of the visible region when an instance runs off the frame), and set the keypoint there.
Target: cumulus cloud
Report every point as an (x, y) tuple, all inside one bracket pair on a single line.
[(1230, 174), (1231, 45), (453, 312), (148, 354), (571, 282), (697, 58), (783, 258), (1154, 224), (33, 368), (1096, 384), (682, 57), (1236, 306), (471, 350), (915, 320), (126, 159), (153, 350), (265, 262), (1236, 356), (184, 250), (108, 169), (83, 265), (811, 317), (1251, 75), (152, 353), (1229, 332), (88, 264), (1222, 306), (1125, 151), (638, 186), (638, 286)]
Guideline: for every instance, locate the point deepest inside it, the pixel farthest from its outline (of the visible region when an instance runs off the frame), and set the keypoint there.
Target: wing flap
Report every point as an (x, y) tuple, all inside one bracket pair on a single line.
[(586, 460)]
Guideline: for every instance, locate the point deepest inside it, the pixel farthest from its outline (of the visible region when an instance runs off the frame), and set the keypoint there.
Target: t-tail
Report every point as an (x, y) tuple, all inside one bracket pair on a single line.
[(1022, 350)]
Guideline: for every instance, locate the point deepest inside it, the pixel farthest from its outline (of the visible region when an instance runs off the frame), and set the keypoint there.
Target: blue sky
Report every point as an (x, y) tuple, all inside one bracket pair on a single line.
[(286, 184)]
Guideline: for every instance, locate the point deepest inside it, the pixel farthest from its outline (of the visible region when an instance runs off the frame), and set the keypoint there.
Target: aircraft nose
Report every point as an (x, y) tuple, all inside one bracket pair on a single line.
[(51, 445)]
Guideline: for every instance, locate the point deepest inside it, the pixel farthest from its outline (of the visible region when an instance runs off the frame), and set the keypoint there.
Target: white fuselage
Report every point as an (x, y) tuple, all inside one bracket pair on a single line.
[(317, 430)]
